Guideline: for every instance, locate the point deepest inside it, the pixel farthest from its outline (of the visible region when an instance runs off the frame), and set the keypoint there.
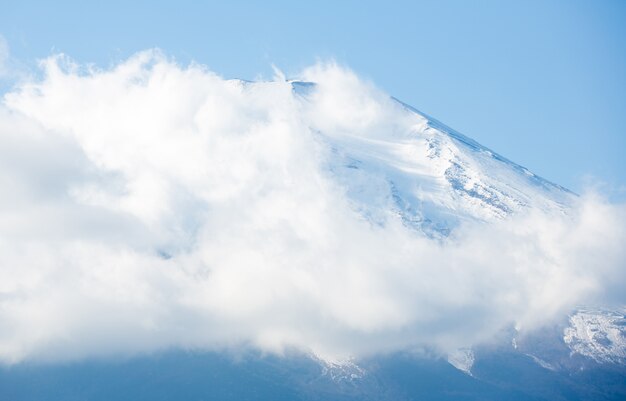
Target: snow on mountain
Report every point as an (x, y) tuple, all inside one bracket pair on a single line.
[(462, 359), (597, 334), (341, 370), (589, 337), (431, 176)]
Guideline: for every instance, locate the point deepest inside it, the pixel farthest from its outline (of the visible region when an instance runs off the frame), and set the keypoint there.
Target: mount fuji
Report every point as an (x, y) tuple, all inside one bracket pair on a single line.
[(432, 181)]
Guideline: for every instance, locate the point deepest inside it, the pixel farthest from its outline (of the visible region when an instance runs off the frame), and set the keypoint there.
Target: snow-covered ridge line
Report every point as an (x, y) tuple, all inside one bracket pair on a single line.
[(438, 125)]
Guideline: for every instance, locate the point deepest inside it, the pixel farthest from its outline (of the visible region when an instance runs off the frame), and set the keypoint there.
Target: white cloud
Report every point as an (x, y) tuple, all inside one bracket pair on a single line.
[(150, 206)]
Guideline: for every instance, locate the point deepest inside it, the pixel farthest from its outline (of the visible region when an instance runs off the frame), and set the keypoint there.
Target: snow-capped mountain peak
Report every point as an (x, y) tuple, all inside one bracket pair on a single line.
[(431, 176)]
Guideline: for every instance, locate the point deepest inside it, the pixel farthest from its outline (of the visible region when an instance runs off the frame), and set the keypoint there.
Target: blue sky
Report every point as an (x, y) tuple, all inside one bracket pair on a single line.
[(541, 82)]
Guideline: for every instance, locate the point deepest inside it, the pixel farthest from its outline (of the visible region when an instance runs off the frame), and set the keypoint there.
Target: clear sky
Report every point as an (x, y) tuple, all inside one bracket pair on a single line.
[(541, 82)]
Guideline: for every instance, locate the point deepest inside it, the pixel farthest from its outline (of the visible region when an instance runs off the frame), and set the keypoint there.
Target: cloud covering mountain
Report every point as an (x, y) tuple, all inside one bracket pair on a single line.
[(149, 206)]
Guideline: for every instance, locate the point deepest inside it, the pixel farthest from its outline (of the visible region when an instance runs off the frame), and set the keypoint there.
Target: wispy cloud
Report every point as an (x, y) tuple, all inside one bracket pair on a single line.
[(150, 205)]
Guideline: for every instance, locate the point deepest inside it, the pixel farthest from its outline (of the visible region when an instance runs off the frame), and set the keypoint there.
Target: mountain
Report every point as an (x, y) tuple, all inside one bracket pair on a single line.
[(432, 180)]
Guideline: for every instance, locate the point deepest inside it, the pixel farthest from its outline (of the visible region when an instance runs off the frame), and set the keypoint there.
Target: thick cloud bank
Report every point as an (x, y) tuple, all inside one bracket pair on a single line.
[(150, 206)]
